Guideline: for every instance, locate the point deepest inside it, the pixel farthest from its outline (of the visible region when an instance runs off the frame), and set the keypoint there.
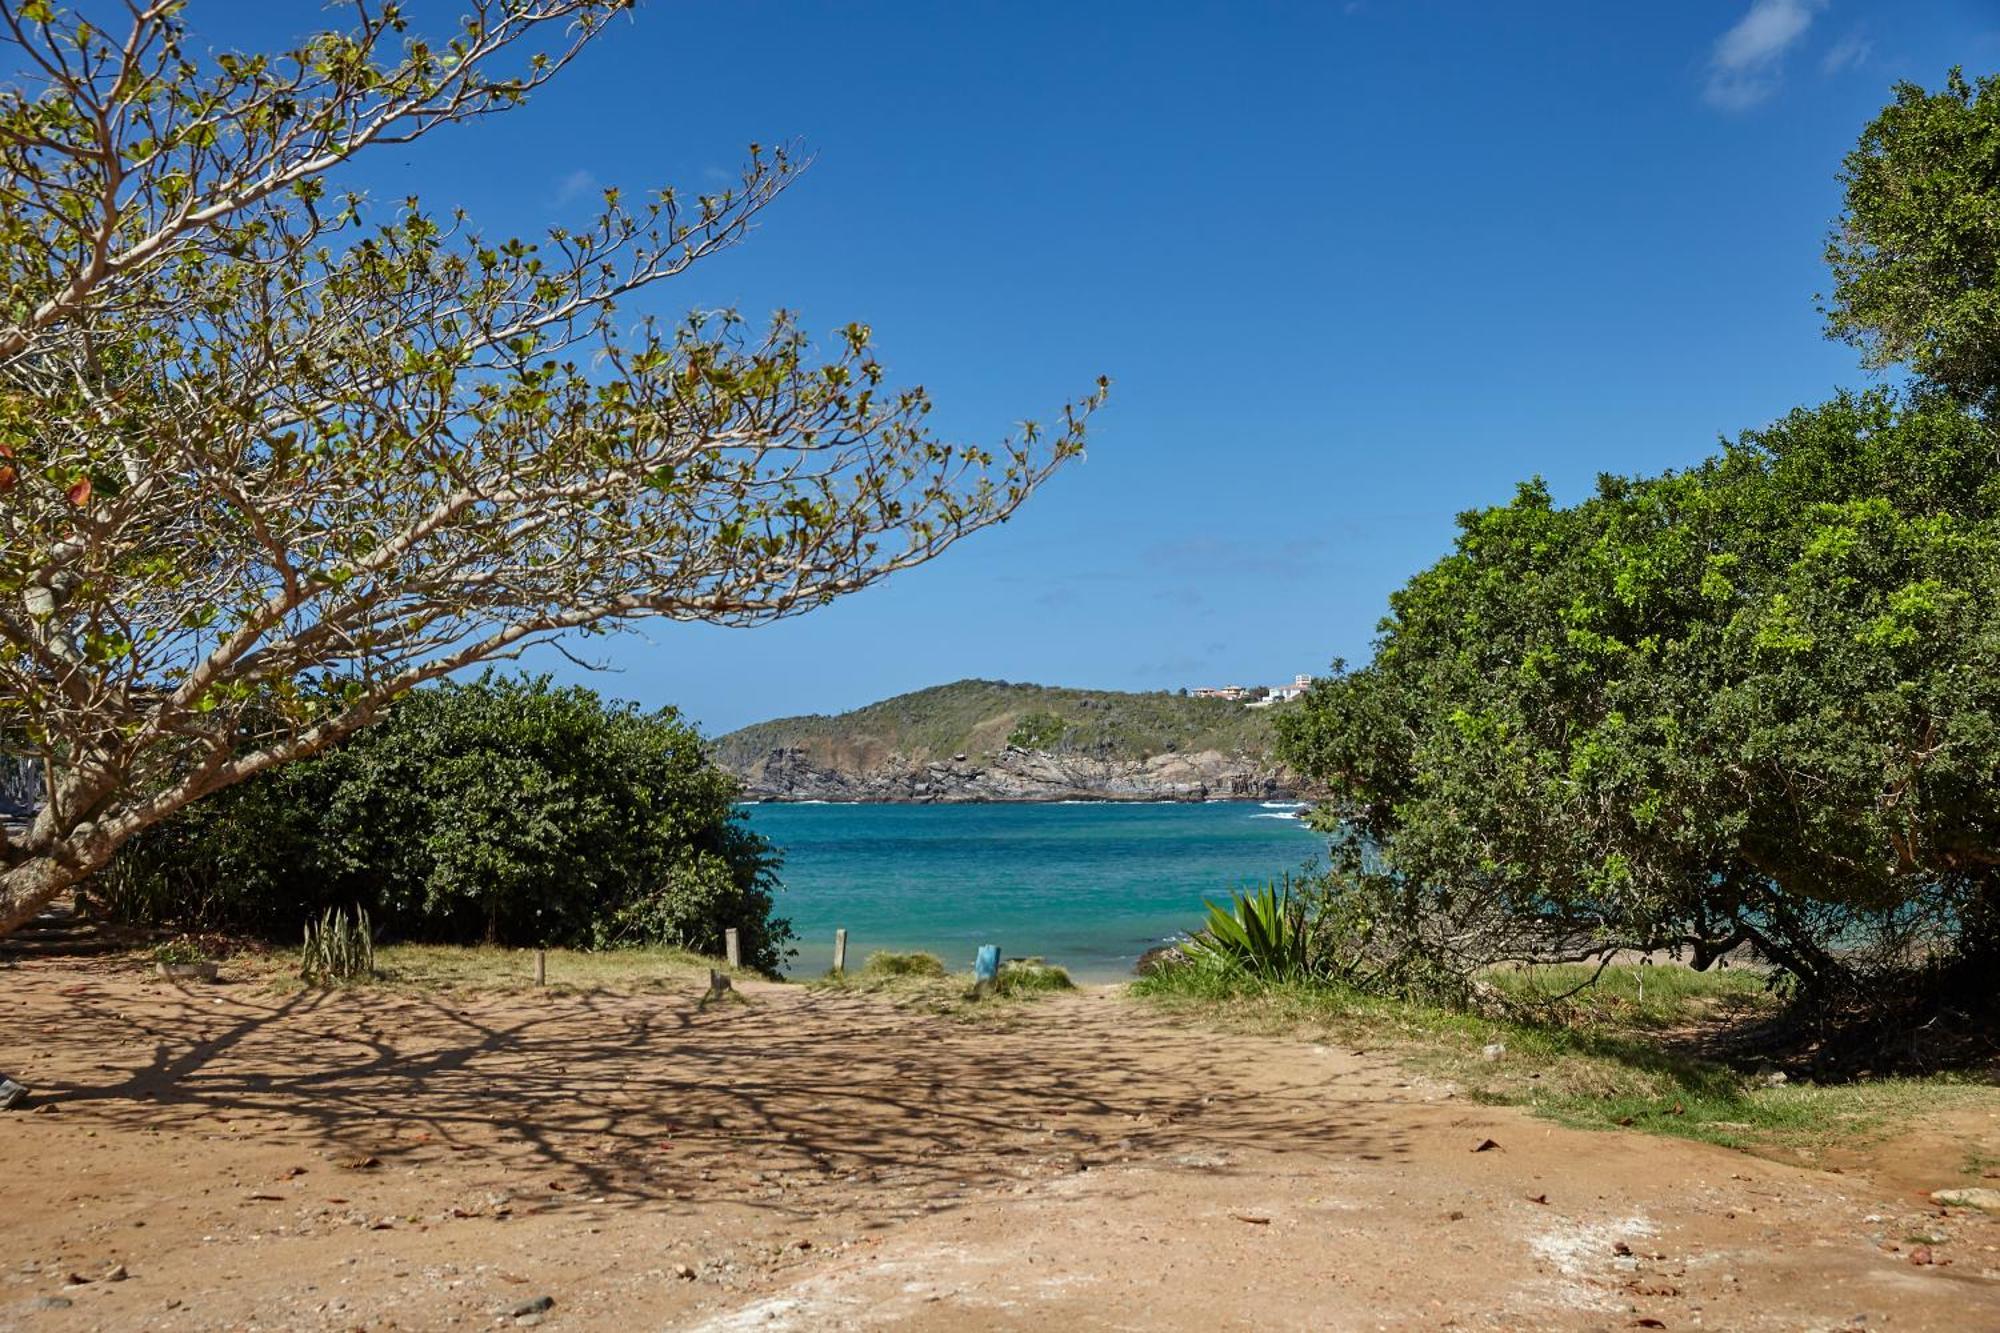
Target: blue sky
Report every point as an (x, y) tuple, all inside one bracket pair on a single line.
[(1353, 267)]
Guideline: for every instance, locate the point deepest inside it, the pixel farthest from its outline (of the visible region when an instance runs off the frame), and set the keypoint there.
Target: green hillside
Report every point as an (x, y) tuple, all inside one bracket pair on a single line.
[(974, 717)]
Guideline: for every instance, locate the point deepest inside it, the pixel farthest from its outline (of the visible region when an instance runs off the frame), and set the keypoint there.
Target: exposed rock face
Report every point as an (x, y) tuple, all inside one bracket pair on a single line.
[(1013, 774)]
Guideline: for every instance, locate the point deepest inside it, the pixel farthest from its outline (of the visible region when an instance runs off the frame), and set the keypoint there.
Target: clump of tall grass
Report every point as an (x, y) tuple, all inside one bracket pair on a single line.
[(338, 947), (885, 964), (1026, 976)]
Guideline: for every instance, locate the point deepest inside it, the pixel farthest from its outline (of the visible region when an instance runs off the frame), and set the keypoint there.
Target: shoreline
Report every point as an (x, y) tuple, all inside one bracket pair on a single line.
[(1259, 799)]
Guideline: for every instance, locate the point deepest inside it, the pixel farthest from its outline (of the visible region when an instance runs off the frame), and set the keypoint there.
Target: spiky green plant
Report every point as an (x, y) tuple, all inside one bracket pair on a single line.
[(1263, 932), (338, 947)]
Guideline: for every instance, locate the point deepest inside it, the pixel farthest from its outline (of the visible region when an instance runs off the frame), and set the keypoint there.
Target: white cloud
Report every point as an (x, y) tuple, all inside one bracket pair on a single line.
[(1850, 52), (1748, 61), (576, 185)]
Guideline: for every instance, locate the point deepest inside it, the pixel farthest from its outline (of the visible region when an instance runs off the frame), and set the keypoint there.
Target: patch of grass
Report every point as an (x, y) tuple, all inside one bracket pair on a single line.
[(431, 967), (1028, 976), (1599, 1065), (1979, 1164), (919, 981), (1638, 996), (885, 964)]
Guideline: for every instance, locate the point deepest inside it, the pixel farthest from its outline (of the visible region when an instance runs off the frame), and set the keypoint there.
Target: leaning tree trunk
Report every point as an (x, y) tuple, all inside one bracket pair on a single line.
[(27, 888)]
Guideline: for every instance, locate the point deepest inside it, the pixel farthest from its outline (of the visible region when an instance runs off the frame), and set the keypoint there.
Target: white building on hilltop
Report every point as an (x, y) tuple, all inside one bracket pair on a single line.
[(1255, 696)]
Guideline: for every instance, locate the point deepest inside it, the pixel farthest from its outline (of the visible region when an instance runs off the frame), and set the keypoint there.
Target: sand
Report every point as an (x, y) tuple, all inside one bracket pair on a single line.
[(238, 1158)]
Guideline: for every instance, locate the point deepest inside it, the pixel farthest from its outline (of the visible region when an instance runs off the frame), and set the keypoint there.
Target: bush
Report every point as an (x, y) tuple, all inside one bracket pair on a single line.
[(1039, 731), (181, 949), (506, 812), (1753, 704)]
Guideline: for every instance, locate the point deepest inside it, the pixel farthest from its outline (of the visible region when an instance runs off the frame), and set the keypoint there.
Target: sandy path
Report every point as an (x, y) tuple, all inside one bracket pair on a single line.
[(814, 1161)]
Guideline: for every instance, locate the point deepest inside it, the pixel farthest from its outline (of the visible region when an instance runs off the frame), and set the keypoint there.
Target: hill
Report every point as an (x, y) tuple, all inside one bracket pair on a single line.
[(994, 740)]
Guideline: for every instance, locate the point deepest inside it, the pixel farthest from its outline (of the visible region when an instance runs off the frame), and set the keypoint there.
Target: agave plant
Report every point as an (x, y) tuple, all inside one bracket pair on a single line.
[(1263, 932), (338, 947)]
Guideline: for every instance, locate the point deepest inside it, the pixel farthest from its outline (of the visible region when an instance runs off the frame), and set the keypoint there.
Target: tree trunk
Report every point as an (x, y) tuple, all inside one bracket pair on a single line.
[(29, 887)]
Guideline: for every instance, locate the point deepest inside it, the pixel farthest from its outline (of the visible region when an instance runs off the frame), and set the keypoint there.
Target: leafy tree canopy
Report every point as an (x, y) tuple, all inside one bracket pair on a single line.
[(1756, 701), (1916, 256)]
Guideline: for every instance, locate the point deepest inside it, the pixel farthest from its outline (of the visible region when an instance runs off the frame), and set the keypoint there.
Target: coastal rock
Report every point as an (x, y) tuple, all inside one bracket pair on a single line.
[(1155, 958), (1013, 774)]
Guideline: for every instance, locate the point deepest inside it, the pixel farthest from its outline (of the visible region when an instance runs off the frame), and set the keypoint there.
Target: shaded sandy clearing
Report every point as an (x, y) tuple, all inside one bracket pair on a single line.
[(816, 1160)]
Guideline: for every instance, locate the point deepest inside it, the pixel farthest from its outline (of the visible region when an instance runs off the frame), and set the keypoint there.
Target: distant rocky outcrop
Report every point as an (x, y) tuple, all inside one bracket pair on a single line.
[(993, 741)]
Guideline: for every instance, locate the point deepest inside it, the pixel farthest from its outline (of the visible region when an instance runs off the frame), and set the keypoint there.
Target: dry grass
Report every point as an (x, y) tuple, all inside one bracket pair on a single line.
[(442, 967), (920, 981)]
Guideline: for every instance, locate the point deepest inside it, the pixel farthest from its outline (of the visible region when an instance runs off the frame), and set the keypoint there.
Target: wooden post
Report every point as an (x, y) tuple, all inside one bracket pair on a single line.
[(733, 947), (541, 967), (840, 951)]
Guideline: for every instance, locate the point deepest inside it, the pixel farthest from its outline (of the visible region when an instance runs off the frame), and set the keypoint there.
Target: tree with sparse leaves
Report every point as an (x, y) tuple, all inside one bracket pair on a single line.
[(269, 459)]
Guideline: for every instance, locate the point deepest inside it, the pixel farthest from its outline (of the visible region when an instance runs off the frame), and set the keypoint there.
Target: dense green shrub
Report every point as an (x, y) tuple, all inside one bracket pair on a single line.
[(1038, 731), (1756, 702), (506, 811)]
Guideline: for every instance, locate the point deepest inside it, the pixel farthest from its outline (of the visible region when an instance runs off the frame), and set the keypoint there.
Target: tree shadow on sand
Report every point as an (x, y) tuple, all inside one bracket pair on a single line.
[(786, 1103)]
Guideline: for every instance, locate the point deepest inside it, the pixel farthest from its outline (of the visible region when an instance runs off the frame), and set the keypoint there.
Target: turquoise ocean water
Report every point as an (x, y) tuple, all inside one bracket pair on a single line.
[(1088, 885)]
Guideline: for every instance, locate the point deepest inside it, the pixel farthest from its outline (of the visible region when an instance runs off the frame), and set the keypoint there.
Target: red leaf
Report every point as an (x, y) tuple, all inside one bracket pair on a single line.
[(79, 492), (7, 478)]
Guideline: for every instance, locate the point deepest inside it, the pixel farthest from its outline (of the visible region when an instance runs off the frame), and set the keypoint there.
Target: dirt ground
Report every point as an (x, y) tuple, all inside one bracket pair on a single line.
[(231, 1157)]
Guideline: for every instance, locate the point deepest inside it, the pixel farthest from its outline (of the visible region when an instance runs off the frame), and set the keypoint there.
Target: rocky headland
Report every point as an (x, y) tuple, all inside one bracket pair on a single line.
[(793, 773), (996, 741)]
